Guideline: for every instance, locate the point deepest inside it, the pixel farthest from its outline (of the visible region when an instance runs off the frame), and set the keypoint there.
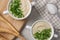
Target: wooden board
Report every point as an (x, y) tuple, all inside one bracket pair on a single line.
[(17, 24)]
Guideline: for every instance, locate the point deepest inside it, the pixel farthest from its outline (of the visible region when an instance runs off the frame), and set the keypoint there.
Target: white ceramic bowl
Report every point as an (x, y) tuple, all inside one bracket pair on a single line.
[(52, 33), (27, 14)]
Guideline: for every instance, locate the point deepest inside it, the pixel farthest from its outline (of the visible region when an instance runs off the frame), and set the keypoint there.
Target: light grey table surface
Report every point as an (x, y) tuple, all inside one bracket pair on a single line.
[(37, 15), (31, 19)]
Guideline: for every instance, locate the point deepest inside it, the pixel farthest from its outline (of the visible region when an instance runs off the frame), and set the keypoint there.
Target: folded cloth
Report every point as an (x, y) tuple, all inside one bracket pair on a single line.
[(54, 19)]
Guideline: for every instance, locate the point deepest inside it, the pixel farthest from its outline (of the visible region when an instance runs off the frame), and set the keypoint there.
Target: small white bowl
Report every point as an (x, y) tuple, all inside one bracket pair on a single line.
[(52, 33), (27, 14)]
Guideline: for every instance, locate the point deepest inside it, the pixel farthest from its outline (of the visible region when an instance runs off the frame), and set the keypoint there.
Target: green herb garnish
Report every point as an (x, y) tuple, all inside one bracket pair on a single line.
[(43, 35), (15, 8)]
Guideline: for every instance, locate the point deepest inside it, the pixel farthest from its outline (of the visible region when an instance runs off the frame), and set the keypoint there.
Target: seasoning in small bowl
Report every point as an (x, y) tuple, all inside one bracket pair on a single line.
[(42, 30)]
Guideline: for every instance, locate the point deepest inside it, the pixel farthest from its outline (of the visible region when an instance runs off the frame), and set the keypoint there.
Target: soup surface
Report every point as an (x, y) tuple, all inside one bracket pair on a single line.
[(19, 8), (41, 30)]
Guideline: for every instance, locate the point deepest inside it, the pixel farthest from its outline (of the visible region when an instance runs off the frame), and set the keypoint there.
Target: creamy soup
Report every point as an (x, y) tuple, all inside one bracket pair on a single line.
[(40, 26), (19, 8), (41, 30), (25, 7)]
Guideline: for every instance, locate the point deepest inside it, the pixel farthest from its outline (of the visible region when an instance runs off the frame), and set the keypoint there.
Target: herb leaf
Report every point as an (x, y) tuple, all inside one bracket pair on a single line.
[(43, 35), (15, 8)]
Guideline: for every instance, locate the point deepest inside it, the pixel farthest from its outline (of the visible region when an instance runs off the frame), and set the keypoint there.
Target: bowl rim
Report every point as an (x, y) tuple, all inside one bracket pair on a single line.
[(30, 8), (52, 34)]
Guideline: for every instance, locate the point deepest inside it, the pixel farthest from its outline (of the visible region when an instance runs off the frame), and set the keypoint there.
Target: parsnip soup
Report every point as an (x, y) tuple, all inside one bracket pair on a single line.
[(19, 8), (41, 30)]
